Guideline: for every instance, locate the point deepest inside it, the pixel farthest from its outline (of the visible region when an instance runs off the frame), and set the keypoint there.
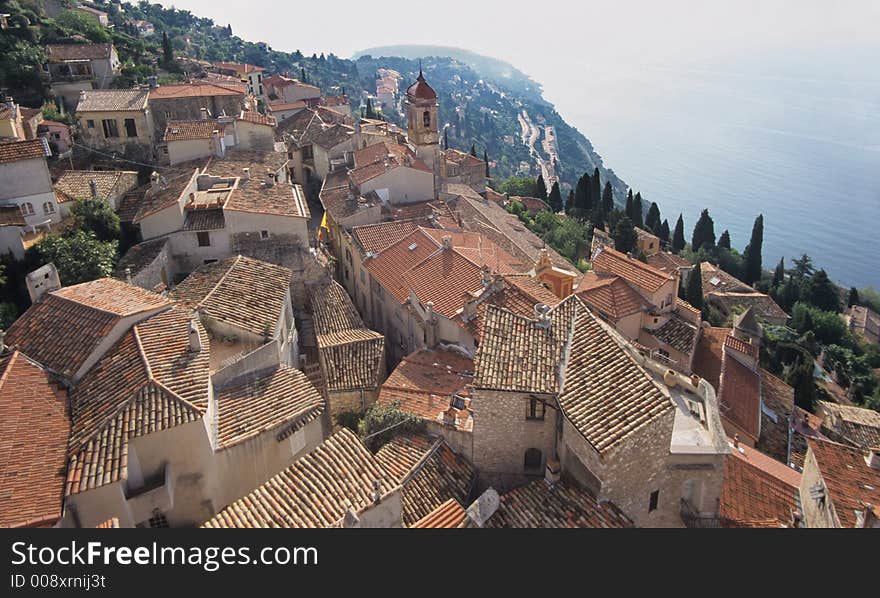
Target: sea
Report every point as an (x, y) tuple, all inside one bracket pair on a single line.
[(795, 138)]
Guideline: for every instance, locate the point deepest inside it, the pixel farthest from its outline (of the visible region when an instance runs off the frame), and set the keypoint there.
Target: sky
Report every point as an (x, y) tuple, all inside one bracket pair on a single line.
[(546, 40)]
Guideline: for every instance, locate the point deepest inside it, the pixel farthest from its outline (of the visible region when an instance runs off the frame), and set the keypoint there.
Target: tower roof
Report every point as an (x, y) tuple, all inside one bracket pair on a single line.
[(420, 90)]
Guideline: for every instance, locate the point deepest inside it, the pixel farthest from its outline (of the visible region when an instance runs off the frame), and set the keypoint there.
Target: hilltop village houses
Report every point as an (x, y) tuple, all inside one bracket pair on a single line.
[(297, 266)]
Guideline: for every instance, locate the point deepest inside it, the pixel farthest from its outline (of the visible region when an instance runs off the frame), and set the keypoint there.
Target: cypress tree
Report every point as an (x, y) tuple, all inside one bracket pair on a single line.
[(724, 240), (607, 199), (652, 220), (474, 150), (569, 203), (595, 189), (628, 210), (694, 292), (624, 235), (704, 232), (779, 272), (663, 233), (445, 139), (167, 52), (541, 188), (302, 74), (853, 297), (752, 254), (581, 194), (678, 235), (637, 211), (486, 160), (555, 198)]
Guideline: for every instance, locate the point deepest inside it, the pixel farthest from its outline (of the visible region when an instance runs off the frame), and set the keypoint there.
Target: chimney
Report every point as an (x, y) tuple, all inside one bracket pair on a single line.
[(552, 470), (204, 112), (195, 341), (484, 507), (447, 242), (93, 187), (128, 275), (377, 494), (542, 312), (873, 457), (486, 276), (736, 441), (154, 181), (192, 197), (270, 178), (247, 174)]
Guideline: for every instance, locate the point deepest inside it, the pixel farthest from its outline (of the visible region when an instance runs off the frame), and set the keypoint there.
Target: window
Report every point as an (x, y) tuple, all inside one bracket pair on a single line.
[(27, 209), (209, 261), (130, 128), (264, 234), (535, 410), (652, 503), (48, 208), (426, 119), (204, 239), (90, 124), (169, 115), (532, 460), (158, 519), (110, 128)]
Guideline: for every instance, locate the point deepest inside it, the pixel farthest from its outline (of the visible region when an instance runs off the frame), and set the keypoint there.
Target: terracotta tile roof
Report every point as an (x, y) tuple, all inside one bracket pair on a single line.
[(281, 199), (805, 425), (168, 192), (737, 344), (113, 522), (315, 491), (444, 278), (762, 304), (75, 184), (849, 479), (376, 159), (480, 250), (257, 118), (113, 100), (707, 358), (373, 238), (352, 355), (187, 130), (148, 382), (464, 159), (757, 488), (390, 265), (298, 124), (532, 204), (236, 160), (34, 430), (240, 291), (262, 402), (11, 216), (449, 515), (66, 326), (851, 425), (677, 333), (777, 398), (562, 505), (199, 89), (717, 280), (282, 106), (241, 69), (64, 52), (201, 220), (341, 202), (23, 150), (667, 262), (739, 395), (139, 257), (430, 472), (519, 293), (681, 304), (607, 395), (328, 136), (424, 382), (610, 295), (864, 320), (636, 272)]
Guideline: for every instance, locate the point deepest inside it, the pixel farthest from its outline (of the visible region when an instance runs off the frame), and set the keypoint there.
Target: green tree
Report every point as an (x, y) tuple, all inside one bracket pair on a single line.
[(803, 267), (704, 232), (79, 257), (779, 272), (624, 235), (694, 292), (555, 198), (678, 235), (486, 160), (521, 186), (76, 21), (381, 423), (663, 233), (628, 209), (540, 188), (724, 240), (800, 377), (652, 219), (582, 201), (167, 52), (98, 216), (569, 202), (474, 150), (607, 199), (752, 253), (637, 215), (823, 293), (595, 190)]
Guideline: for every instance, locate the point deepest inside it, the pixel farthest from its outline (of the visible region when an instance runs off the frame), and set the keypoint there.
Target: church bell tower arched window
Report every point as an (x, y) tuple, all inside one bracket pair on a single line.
[(426, 119)]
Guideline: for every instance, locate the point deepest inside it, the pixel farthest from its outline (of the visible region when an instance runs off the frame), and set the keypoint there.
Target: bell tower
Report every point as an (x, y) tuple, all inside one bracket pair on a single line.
[(423, 124)]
